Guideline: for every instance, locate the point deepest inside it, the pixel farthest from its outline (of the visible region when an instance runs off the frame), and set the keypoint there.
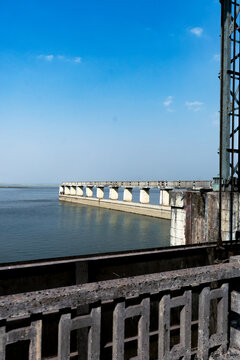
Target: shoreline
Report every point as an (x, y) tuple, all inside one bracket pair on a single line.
[(25, 186)]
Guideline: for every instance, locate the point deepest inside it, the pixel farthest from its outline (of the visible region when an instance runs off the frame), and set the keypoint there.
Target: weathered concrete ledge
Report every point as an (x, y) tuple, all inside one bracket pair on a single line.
[(159, 211), (195, 216)]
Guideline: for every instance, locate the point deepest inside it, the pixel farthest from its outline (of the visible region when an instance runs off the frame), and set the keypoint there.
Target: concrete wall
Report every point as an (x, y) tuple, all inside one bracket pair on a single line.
[(195, 216)]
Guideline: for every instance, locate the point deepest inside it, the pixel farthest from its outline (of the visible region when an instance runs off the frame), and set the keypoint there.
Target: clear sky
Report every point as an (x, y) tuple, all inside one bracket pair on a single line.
[(107, 90)]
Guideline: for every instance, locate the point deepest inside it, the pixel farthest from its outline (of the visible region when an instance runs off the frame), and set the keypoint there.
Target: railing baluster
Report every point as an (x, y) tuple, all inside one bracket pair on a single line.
[(118, 331), (203, 327), (2, 343), (185, 325), (143, 331), (183, 349), (222, 318), (220, 339), (35, 347), (94, 335), (32, 333), (64, 337), (119, 316), (164, 326), (234, 330), (66, 325)]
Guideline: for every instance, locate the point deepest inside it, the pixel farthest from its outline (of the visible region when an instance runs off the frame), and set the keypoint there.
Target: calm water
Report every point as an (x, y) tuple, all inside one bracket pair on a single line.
[(35, 225)]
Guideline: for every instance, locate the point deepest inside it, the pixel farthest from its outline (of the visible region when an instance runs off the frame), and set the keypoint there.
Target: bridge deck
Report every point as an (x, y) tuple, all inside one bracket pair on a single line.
[(205, 184)]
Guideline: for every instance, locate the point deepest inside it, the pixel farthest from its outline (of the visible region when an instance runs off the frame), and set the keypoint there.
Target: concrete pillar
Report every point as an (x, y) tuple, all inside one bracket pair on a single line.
[(144, 196), (100, 192), (164, 198), (79, 190), (73, 190), (178, 226), (127, 194), (89, 191), (194, 216), (67, 190), (113, 193), (188, 218), (61, 190)]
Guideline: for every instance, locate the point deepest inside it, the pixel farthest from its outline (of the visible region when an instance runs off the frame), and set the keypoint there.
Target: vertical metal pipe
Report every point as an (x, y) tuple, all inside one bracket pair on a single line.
[(233, 119), (229, 111), (238, 155)]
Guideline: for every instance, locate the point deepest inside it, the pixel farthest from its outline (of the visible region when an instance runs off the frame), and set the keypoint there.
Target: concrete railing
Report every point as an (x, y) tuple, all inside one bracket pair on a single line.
[(176, 314), (206, 184), (76, 188)]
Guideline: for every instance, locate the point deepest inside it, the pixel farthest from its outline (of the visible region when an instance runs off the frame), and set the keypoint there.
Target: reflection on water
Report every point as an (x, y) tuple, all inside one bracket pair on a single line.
[(34, 225)]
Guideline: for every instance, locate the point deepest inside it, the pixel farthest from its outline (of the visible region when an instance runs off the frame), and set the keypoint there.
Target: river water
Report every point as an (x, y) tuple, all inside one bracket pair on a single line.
[(35, 225)]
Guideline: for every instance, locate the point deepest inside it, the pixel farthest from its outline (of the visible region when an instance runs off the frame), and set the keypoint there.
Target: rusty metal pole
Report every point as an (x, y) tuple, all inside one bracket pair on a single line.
[(229, 107), (226, 6)]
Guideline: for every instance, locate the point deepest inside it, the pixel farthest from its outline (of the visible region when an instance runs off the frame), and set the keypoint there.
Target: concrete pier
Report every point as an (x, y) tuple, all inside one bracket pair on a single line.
[(164, 197), (67, 190), (100, 192), (113, 193), (127, 194), (89, 191), (144, 196), (74, 191)]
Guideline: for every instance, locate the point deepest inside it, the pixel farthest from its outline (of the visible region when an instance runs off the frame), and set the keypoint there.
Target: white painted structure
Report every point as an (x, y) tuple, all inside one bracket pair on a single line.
[(113, 193), (144, 196), (127, 194), (89, 191), (164, 197), (100, 192)]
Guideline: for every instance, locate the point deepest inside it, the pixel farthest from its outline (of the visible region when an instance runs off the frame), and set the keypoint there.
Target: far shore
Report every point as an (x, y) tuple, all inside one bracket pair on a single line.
[(26, 186), (13, 187)]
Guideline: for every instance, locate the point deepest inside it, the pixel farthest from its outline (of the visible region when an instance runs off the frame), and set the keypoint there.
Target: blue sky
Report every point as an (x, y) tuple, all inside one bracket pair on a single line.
[(107, 89)]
